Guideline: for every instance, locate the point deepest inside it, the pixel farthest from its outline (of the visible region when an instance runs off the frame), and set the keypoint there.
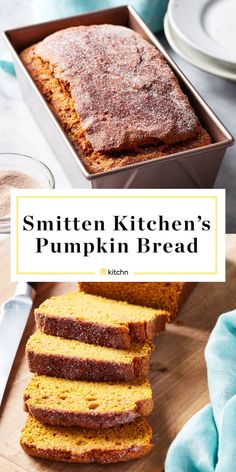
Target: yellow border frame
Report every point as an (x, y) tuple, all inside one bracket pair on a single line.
[(117, 196)]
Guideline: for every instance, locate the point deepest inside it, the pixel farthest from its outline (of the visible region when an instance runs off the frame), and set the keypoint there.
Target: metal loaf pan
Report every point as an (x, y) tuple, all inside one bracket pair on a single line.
[(196, 168)]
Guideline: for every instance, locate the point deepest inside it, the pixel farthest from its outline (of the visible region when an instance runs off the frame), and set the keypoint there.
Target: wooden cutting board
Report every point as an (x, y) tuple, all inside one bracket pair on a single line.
[(178, 374)]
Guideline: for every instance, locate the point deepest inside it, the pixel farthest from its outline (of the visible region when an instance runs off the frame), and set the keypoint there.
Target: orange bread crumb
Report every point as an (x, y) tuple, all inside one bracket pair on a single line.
[(117, 444)]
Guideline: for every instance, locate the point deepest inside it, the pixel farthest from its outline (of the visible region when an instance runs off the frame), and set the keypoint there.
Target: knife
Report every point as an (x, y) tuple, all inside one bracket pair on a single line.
[(14, 314)]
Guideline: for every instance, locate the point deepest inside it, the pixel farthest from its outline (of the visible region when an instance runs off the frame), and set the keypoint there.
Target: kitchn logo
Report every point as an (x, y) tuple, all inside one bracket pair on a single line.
[(104, 271)]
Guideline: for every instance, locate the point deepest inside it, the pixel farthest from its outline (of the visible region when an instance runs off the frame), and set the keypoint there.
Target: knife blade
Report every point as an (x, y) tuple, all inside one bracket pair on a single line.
[(14, 314)]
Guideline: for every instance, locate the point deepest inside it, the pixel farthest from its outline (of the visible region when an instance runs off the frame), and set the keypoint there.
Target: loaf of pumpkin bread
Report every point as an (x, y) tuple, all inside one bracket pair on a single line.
[(168, 296), (115, 96)]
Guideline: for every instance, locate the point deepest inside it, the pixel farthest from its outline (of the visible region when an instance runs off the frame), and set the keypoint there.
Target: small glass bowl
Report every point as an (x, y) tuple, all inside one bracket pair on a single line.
[(29, 166)]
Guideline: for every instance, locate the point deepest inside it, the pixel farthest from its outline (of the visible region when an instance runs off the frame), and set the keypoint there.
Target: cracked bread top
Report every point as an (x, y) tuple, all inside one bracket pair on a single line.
[(123, 89)]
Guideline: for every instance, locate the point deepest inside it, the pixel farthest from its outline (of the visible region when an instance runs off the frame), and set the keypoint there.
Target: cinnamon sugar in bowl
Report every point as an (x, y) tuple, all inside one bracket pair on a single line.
[(20, 171)]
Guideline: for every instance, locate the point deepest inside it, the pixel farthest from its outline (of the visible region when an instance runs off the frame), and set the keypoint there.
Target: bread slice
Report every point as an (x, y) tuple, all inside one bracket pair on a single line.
[(159, 295), (119, 444), (94, 405), (74, 360), (98, 320)]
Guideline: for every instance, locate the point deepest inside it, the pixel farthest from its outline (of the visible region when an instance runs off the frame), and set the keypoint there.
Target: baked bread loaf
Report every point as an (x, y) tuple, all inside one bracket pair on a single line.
[(97, 320), (160, 295), (74, 360), (94, 405), (118, 444), (115, 96)]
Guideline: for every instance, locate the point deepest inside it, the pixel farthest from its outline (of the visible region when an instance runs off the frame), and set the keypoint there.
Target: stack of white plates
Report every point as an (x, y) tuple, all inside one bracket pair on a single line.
[(204, 33)]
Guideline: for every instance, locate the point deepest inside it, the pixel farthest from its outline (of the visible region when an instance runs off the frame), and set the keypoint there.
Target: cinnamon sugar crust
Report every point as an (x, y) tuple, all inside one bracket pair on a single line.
[(124, 91)]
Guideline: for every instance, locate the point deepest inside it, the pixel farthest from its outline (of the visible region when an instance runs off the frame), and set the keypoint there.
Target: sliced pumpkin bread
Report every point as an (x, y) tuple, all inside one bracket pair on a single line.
[(97, 320), (74, 360), (93, 405), (118, 444)]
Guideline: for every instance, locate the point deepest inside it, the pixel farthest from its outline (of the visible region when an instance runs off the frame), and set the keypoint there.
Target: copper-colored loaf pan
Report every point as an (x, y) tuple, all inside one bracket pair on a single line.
[(196, 168)]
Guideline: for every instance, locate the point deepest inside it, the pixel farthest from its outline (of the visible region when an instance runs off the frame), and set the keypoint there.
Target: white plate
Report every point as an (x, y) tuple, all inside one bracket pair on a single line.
[(193, 56), (207, 25)]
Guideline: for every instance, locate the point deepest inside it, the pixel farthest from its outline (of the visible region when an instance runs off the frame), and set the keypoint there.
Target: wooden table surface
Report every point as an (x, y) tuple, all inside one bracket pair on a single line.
[(178, 374)]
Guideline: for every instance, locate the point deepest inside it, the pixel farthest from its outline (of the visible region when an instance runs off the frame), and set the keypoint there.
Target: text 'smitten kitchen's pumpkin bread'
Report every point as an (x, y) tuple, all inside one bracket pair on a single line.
[(94, 405), (115, 96), (168, 296), (118, 444), (98, 320), (74, 360)]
